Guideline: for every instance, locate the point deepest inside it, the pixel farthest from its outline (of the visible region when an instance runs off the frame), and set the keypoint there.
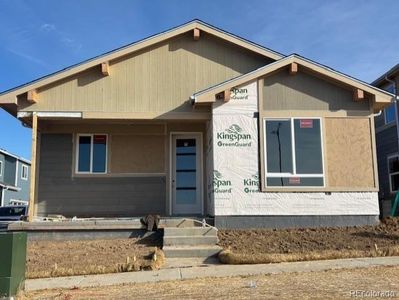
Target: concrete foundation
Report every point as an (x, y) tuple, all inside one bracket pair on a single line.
[(245, 222)]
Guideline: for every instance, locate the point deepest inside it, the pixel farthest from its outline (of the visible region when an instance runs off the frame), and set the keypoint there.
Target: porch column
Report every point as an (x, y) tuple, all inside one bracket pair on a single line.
[(33, 173)]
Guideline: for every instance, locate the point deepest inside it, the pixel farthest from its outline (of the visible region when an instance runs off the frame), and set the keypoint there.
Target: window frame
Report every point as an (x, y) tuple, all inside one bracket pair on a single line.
[(90, 172), (389, 172), (385, 115), (390, 88), (293, 174), (1, 168), (24, 166)]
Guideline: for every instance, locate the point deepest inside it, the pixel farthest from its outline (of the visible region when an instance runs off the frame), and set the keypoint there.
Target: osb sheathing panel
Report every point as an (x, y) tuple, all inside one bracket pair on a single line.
[(137, 154), (349, 154), (160, 78)]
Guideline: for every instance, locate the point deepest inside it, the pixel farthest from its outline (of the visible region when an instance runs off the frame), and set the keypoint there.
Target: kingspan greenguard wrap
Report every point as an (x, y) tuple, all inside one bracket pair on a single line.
[(233, 169)]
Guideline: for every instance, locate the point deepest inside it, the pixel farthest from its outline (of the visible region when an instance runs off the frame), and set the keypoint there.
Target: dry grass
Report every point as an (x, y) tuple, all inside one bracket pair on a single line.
[(157, 259), (229, 257), (333, 284)]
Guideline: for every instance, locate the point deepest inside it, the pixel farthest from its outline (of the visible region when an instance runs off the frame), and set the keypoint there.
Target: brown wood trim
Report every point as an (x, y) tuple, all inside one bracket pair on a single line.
[(105, 68), (358, 95), (33, 173), (293, 69), (196, 34), (32, 96)]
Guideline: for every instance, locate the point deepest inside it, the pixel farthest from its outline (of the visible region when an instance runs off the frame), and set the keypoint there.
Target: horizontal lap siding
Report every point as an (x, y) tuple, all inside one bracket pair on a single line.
[(60, 193), (159, 79), (387, 144)]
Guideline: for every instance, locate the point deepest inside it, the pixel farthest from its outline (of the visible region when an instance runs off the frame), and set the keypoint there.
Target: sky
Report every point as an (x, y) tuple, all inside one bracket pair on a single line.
[(38, 37)]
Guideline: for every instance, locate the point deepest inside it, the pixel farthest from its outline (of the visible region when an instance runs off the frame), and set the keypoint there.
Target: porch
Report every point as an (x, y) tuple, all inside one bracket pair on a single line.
[(120, 168)]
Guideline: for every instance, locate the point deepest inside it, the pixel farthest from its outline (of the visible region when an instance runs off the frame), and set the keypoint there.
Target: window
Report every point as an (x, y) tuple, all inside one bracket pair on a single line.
[(393, 172), (1, 168), (91, 153), (293, 152), (24, 172), (389, 114)]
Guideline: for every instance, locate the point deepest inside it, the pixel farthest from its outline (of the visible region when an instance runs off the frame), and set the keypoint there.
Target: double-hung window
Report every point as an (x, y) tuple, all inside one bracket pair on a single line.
[(293, 152), (24, 172), (91, 154), (393, 172), (1, 168)]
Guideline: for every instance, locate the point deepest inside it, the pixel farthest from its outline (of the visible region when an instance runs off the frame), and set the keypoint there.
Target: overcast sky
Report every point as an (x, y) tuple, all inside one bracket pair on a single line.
[(37, 37)]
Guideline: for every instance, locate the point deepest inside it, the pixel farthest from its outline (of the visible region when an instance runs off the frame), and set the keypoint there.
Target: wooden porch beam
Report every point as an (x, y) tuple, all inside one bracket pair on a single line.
[(105, 68), (196, 34), (293, 68), (33, 179), (32, 96), (358, 95), (226, 97)]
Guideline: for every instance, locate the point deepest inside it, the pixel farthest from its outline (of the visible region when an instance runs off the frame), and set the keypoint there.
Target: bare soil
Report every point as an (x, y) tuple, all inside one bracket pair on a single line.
[(80, 257), (333, 284), (289, 241)]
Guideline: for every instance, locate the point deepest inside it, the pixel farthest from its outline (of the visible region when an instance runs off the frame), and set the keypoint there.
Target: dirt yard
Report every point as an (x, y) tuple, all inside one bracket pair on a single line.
[(78, 257), (333, 284), (348, 241)]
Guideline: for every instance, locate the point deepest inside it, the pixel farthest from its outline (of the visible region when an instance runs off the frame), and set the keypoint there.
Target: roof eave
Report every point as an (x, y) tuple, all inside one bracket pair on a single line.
[(136, 46), (208, 95)]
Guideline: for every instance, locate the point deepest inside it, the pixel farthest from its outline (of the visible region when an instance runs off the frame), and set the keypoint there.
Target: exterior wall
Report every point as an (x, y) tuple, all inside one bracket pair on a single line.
[(238, 154), (2, 159), (345, 122), (23, 194), (387, 144), (158, 79), (61, 193), (347, 166), (138, 180), (305, 92), (11, 176), (9, 170)]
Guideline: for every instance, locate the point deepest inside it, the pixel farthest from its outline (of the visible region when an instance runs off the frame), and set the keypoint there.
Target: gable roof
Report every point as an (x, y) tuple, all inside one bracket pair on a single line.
[(4, 152), (9, 96), (383, 78), (208, 95)]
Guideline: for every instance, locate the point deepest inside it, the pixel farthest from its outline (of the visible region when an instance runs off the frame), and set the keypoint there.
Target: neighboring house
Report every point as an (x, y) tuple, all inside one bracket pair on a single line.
[(387, 142), (14, 179), (196, 121)]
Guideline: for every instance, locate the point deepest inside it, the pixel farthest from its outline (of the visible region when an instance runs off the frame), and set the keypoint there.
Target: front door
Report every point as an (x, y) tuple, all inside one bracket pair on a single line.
[(186, 174)]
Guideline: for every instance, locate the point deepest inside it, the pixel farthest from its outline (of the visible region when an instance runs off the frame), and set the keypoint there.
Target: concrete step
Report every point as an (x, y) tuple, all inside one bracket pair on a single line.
[(190, 231), (180, 223), (189, 240), (204, 251)]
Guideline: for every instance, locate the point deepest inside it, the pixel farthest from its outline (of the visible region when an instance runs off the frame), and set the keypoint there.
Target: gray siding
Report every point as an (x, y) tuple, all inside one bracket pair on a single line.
[(9, 170), (2, 167), (307, 92), (23, 194), (60, 193), (10, 178), (387, 144)]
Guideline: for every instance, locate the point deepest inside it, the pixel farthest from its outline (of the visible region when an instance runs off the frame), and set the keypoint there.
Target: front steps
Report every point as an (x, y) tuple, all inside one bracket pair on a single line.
[(188, 241)]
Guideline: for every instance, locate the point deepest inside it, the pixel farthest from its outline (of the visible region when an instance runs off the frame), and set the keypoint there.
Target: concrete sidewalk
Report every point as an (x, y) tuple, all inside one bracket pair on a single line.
[(205, 271)]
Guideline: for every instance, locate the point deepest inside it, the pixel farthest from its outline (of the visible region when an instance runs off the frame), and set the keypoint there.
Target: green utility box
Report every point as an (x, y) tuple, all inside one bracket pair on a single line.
[(12, 262)]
